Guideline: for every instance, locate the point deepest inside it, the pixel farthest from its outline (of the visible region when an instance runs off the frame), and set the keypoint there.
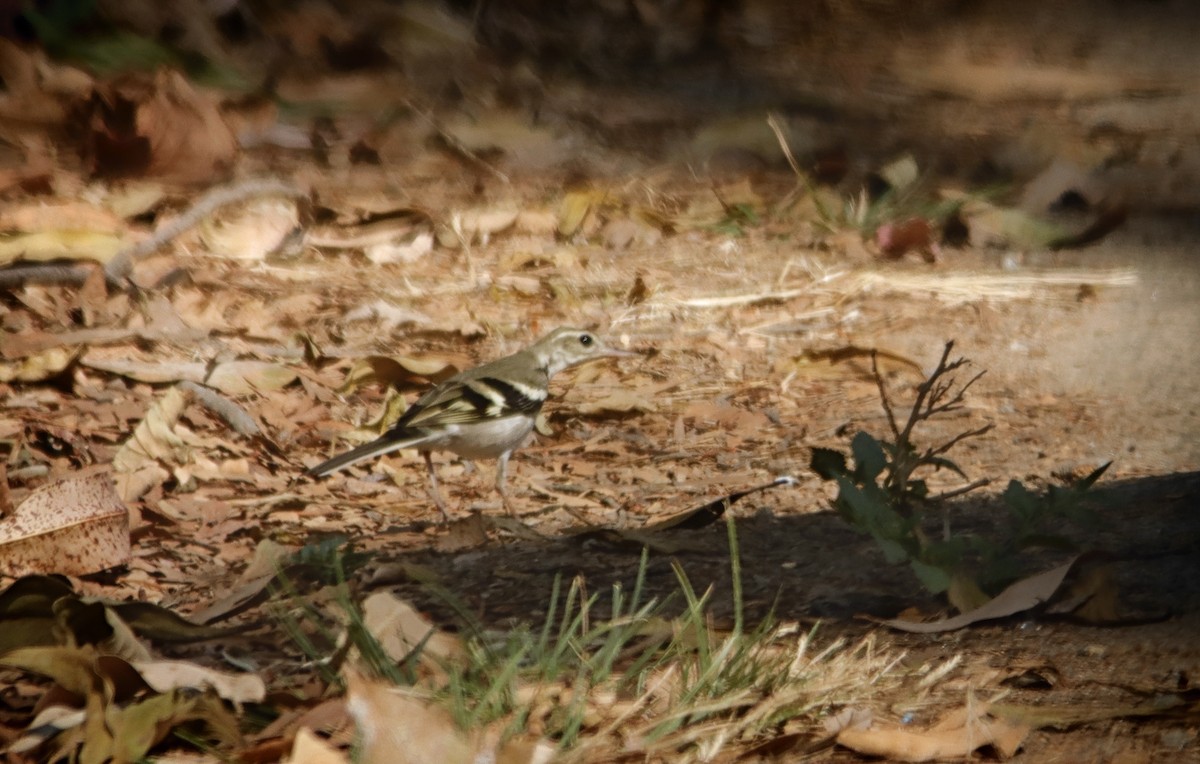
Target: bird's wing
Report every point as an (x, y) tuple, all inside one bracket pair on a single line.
[(473, 399)]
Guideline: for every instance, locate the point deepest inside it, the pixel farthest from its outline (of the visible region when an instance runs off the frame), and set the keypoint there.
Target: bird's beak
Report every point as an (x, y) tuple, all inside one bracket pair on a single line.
[(616, 353)]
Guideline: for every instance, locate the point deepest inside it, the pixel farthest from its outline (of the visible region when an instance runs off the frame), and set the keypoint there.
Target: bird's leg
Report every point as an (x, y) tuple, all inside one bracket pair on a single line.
[(433, 484), (501, 475)]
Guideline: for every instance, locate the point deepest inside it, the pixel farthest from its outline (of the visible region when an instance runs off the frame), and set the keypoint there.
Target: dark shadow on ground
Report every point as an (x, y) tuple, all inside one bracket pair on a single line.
[(815, 567)]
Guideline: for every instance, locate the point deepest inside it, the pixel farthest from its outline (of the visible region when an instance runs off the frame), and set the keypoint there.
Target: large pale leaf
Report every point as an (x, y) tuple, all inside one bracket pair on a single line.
[(75, 525), (1024, 595), (155, 438), (251, 231), (158, 371), (72, 668), (400, 629), (399, 727), (164, 676), (42, 246), (955, 737), (246, 377)]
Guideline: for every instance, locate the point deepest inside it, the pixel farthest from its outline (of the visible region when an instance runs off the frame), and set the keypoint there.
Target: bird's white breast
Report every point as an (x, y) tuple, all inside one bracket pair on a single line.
[(487, 439)]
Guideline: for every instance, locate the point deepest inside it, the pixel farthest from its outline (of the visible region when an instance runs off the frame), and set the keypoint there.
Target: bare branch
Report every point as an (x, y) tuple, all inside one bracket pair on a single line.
[(233, 415), (939, 450), (883, 396), (48, 274), (927, 394)]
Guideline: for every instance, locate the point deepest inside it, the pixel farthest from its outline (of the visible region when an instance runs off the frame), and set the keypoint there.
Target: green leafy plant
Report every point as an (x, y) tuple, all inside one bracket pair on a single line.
[(885, 495), (738, 217), (74, 30)]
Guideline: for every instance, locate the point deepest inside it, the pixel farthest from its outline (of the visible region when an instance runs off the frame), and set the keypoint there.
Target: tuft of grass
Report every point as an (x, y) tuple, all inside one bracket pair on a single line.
[(637, 681)]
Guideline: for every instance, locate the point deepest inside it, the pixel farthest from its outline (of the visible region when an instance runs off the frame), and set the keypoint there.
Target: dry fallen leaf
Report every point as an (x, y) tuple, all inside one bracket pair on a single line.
[(246, 377), (400, 630), (75, 525), (310, 748), (264, 566), (39, 366), (133, 199), (579, 210), (42, 246), (399, 727), (155, 439), (120, 362), (407, 252), (617, 403), (36, 92), (61, 216), (176, 133), (384, 316), (164, 676), (485, 221), (956, 736), (1024, 595), (542, 222), (251, 231), (139, 462), (400, 372)]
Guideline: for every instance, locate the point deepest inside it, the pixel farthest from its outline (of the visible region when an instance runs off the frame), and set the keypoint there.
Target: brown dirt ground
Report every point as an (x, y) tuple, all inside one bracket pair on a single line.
[(1076, 375), (1069, 384)]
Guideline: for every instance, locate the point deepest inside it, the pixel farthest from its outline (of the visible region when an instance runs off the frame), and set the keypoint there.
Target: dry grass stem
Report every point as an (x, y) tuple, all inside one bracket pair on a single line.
[(955, 288)]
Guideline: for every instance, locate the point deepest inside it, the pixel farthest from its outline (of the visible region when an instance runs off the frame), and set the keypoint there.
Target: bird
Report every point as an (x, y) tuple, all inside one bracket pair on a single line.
[(484, 412)]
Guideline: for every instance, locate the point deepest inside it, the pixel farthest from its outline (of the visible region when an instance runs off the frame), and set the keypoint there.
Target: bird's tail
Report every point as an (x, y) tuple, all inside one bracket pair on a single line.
[(378, 447)]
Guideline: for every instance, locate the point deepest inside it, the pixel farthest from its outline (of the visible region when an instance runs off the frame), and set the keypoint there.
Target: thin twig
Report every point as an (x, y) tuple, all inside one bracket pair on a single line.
[(941, 390), (950, 494), (454, 144), (936, 395), (457, 229), (925, 390), (234, 415), (801, 176), (118, 269), (773, 123), (48, 274), (932, 452), (883, 395)]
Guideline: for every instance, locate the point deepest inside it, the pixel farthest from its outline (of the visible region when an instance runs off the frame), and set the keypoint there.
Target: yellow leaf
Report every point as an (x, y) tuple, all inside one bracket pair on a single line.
[(245, 377), (39, 367), (575, 209), (44, 246)]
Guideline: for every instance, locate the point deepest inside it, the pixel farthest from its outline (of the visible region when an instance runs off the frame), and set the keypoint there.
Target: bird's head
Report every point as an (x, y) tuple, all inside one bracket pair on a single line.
[(566, 347)]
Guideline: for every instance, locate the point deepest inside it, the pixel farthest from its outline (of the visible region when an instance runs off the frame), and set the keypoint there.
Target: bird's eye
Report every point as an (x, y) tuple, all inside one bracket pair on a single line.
[(585, 339)]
